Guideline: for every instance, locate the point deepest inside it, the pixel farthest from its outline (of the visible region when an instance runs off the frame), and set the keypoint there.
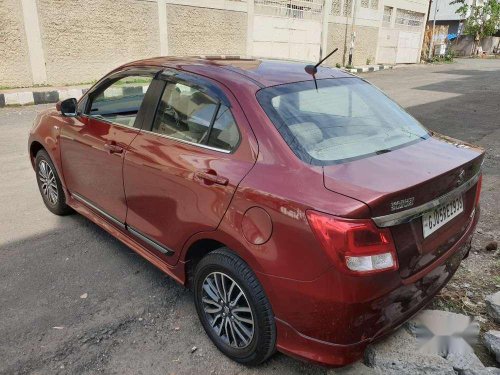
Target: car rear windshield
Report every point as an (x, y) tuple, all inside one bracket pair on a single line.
[(344, 119)]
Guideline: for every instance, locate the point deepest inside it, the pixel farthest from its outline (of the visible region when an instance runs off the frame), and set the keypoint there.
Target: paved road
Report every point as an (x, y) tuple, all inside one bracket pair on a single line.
[(135, 319)]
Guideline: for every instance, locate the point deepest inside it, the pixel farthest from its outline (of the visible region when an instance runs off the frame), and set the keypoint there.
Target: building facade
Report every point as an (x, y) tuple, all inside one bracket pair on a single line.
[(58, 42)]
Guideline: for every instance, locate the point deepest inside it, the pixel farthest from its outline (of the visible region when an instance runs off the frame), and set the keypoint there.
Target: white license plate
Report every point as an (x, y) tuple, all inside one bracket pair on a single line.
[(434, 219)]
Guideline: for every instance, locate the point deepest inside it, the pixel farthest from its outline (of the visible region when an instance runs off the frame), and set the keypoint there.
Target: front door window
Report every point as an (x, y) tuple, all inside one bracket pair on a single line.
[(119, 103)]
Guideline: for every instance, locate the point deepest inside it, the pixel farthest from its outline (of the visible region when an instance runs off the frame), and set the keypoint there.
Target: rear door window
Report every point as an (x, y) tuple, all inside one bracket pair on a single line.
[(185, 113), (189, 114), (224, 134)]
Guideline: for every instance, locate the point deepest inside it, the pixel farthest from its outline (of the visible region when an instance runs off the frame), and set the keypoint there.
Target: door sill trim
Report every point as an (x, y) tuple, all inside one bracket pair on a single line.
[(136, 233), (162, 249), (85, 201)]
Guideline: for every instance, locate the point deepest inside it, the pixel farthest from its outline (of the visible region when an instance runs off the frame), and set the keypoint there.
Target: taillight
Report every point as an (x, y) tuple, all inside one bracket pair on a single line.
[(355, 246), (478, 190)]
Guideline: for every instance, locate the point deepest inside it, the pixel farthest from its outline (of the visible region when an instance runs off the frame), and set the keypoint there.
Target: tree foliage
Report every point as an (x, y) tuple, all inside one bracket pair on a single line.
[(482, 20)]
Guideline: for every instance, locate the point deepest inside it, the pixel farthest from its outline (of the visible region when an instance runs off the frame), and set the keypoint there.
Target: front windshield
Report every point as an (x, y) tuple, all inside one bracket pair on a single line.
[(345, 119)]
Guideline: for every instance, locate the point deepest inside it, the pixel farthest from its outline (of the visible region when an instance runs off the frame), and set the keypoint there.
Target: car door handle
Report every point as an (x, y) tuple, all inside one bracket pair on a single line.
[(212, 178), (113, 148)]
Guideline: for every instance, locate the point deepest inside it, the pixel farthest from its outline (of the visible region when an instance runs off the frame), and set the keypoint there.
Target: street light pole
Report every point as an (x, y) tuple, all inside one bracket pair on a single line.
[(431, 44)]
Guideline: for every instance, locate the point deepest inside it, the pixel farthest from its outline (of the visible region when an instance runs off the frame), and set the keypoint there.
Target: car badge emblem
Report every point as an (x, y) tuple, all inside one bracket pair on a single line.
[(461, 177), (403, 203)]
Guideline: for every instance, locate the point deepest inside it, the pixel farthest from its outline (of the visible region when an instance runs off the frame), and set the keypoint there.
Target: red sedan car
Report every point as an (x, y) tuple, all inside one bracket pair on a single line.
[(309, 220)]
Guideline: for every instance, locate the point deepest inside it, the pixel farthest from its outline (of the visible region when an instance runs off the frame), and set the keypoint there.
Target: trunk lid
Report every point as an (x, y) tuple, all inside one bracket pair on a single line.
[(410, 177)]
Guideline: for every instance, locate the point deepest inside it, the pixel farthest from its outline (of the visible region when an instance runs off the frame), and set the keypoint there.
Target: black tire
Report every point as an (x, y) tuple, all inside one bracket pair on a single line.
[(263, 342), (45, 167)]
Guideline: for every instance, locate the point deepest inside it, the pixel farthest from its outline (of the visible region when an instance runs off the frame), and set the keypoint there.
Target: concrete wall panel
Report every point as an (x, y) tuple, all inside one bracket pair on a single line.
[(387, 46), (339, 36), (203, 31), (15, 70), (366, 45), (286, 38), (83, 40)]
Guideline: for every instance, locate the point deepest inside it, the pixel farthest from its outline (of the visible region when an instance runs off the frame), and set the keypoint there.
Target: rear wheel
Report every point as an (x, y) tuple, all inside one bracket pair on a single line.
[(50, 185), (233, 308)]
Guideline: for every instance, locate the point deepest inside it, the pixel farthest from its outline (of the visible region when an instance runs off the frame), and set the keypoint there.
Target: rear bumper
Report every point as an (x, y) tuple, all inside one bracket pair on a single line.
[(332, 319)]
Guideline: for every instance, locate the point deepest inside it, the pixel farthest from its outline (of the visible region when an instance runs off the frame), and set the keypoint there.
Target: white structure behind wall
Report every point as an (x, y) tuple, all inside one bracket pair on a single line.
[(402, 31), (288, 29), (285, 38)]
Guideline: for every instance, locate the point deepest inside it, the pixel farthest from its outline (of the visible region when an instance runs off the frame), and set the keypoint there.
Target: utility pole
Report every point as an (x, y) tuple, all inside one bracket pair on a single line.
[(353, 33), (431, 44)]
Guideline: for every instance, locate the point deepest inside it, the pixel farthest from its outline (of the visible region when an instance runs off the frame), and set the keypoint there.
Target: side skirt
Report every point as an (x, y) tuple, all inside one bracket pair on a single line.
[(119, 231), (155, 245)]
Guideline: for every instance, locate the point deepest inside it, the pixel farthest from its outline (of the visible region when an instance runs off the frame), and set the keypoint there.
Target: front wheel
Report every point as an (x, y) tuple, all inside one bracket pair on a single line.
[(50, 185), (233, 308)]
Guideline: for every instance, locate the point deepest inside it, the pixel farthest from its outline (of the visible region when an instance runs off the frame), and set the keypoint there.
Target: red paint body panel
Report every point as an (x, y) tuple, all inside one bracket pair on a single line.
[(424, 170), (152, 187), (355, 312), (166, 200), (89, 169)]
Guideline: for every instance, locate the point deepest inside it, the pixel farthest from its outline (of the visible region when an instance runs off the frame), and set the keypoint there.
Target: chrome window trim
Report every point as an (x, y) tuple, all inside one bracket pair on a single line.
[(110, 122), (188, 142), (85, 201), (408, 215)]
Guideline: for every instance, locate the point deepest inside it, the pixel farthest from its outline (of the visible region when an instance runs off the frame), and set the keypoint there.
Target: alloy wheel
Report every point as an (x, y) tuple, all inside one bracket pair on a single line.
[(227, 310), (48, 182)]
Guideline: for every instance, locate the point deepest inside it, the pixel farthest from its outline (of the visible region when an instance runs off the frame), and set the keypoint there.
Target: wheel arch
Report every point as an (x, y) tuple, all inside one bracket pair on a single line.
[(35, 146), (204, 243), (195, 252)]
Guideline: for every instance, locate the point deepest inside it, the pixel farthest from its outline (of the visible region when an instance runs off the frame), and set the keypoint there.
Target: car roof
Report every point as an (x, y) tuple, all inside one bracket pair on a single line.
[(260, 72)]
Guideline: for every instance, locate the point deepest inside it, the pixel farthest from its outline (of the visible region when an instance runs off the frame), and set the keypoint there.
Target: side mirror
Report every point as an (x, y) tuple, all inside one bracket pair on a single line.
[(68, 107)]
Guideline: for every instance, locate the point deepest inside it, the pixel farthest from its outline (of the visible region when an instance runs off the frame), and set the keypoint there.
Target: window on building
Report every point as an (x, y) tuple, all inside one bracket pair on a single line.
[(336, 7), (308, 9), (347, 8), (409, 18), (388, 14), (373, 4)]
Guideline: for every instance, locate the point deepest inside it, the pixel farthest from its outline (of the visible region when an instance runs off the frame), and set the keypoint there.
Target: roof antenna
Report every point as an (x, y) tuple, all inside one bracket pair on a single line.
[(313, 69)]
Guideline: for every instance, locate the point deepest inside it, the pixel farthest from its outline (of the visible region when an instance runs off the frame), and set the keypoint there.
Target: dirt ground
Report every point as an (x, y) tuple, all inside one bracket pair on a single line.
[(136, 320)]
